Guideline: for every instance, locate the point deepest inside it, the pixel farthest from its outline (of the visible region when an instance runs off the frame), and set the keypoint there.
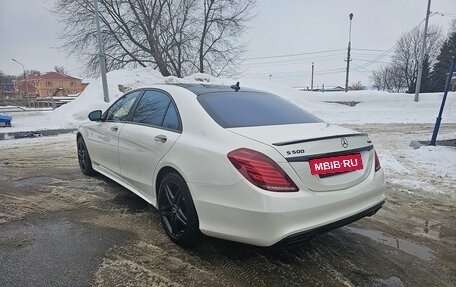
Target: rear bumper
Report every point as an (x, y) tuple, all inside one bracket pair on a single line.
[(299, 238), (245, 214)]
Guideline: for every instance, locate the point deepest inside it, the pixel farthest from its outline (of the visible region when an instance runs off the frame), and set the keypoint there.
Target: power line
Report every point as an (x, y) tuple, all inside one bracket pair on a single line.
[(296, 72), (293, 75), (364, 60), (374, 50), (306, 75), (444, 14), (294, 55), (360, 67), (356, 70), (380, 56), (389, 50), (333, 57), (321, 56), (368, 54)]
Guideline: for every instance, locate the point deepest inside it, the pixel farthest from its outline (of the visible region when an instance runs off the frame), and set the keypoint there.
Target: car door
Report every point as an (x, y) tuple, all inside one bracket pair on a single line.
[(103, 137), (147, 137)]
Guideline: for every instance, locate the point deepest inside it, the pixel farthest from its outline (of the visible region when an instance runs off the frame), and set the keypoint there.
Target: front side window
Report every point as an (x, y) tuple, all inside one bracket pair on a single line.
[(120, 110), (156, 108)]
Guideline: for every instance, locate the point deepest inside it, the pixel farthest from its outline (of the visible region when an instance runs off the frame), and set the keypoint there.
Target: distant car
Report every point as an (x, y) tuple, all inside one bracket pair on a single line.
[(5, 120), (233, 163)]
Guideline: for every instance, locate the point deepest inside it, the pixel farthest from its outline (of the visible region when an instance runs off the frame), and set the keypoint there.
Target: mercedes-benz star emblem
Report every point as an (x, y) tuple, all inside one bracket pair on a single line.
[(344, 142)]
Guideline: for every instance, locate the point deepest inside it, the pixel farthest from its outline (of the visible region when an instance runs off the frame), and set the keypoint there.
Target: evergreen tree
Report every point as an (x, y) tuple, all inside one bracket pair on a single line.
[(444, 59), (426, 80)]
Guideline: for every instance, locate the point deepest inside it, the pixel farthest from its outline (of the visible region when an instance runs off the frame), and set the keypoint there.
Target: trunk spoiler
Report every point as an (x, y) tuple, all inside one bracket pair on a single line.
[(320, 138)]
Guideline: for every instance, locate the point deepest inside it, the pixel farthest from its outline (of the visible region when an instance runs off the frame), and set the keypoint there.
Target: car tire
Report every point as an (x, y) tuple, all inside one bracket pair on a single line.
[(85, 163), (177, 211)]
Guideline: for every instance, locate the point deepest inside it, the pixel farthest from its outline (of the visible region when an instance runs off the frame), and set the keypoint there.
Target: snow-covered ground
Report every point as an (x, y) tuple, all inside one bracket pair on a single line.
[(425, 168), (430, 168)]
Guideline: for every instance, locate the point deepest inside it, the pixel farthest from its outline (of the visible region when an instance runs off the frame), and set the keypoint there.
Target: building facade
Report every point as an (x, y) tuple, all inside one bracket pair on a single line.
[(49, 84)]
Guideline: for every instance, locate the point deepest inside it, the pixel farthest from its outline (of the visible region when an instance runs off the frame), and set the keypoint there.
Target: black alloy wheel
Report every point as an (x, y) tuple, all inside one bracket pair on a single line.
[(177, 211), (83, 158)]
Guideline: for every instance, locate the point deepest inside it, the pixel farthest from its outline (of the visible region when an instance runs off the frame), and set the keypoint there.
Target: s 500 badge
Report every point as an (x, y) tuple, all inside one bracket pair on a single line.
[(296, 151)]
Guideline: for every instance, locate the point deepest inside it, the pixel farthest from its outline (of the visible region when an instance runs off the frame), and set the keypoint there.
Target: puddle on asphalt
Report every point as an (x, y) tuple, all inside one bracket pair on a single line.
[(413, 249), (39, 180), (392, 282)]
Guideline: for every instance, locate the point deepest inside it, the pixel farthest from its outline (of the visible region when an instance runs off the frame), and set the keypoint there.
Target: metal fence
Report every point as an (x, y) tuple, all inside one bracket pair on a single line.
[(33, 102)]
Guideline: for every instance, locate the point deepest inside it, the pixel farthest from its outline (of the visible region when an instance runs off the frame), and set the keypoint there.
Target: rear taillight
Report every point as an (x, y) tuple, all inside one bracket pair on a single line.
[(377, 162), (261, 171)]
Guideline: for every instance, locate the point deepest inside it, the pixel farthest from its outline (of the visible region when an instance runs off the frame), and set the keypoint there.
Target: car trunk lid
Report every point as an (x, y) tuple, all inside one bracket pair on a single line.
[(304, 145)]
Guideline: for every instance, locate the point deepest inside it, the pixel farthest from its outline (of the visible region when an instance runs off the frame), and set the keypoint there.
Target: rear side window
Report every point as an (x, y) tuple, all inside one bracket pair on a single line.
[(156, 108), (247, 109), (171, 120)]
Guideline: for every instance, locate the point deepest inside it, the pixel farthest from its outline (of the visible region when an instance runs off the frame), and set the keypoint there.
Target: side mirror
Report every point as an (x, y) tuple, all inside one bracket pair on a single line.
[(95, 116)]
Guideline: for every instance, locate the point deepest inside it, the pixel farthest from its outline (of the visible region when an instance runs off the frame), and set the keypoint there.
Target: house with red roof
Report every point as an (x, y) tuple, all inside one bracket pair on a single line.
[(49, 84)]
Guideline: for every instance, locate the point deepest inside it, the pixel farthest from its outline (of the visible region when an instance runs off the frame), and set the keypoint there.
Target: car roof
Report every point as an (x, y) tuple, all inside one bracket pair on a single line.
[(200, 89)]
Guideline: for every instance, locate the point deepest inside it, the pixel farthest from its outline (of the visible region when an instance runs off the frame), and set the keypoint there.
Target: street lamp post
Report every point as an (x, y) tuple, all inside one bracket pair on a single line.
[(25, 80), (348, 52)]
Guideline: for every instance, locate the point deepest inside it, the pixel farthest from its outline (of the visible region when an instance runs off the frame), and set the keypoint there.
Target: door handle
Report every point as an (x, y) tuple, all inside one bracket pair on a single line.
[(161, 138), (114, 129)]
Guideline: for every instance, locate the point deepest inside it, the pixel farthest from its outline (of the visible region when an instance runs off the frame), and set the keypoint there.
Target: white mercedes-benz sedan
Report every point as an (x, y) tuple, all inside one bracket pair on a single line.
[(233, 163)]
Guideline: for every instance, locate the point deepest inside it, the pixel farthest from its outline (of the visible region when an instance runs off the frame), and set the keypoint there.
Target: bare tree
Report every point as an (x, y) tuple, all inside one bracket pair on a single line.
[(357, 86), (6, 78), (377, 79), (178, 37), (389, 78), (222, 24), (401, 74), (407, 53), (61, 70)]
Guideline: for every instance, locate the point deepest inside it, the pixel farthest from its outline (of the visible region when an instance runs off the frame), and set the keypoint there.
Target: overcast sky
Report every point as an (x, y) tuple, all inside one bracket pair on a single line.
[(29, 33)]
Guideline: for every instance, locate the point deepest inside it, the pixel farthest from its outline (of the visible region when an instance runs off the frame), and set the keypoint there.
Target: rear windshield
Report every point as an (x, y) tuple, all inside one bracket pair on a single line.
[(248, 109)]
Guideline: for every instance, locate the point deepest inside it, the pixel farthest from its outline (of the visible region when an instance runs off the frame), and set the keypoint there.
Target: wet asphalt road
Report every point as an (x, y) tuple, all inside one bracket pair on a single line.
[(60, 228)]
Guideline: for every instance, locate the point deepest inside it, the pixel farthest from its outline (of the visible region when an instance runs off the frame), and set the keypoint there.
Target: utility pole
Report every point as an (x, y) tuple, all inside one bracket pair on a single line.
[(25, 81), (312, 80), (348, 52), (101, 55), (423, 49)]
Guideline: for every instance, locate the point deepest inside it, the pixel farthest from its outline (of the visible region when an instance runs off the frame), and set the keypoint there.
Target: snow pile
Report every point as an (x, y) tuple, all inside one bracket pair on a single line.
[(75, 112), (424, 168), (429, 168), (92, 97)]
